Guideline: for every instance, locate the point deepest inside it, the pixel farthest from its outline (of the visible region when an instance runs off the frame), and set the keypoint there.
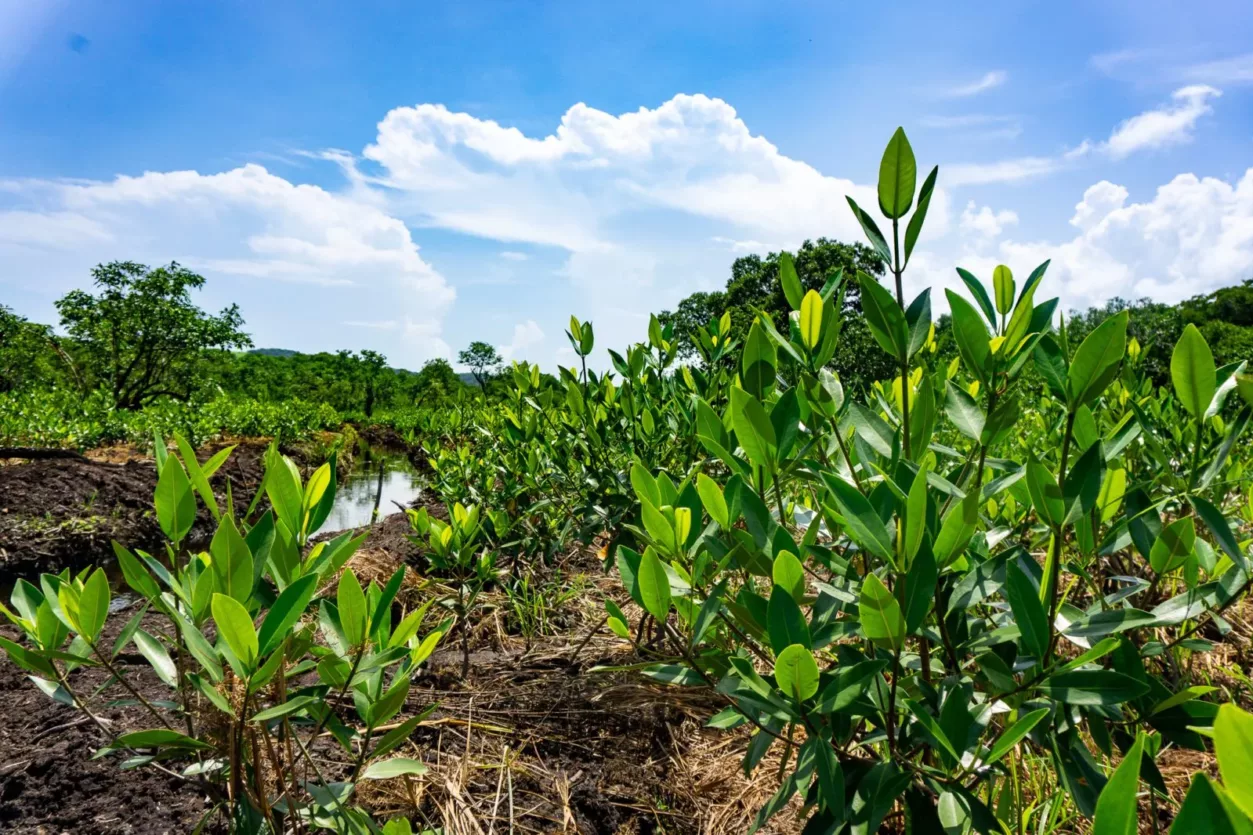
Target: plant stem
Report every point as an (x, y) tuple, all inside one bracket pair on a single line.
[(900, 300), (1055, 563)]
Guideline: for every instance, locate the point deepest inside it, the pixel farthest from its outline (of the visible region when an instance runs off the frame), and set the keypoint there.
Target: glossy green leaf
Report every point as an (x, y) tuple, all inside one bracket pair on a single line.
[(654, 585), (1116, 807), (881, 618), (796, 672), (1192, 371), (898, 176), (235, 627)]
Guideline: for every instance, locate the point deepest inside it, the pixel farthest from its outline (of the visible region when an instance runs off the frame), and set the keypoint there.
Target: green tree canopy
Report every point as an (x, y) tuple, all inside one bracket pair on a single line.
[(482, 359), (754, 285), (141, 337)]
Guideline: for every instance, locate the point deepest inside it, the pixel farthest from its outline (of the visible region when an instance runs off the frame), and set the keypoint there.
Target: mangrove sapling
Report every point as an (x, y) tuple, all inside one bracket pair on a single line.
[(846, 658), (243, 698), (458, 553)]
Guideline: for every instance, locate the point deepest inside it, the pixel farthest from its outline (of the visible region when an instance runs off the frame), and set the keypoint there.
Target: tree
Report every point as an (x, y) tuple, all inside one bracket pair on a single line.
[(26, 352), (435, 381), (482, 359), (754, 285), (141, 337), (374, 377)]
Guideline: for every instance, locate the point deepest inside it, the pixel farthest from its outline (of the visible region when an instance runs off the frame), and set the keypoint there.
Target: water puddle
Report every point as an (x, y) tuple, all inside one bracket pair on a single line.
[(379, 480)]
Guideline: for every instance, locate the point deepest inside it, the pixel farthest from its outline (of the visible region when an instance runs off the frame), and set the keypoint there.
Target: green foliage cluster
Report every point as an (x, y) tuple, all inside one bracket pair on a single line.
[(66, 418), (913, 593), (263, 634)]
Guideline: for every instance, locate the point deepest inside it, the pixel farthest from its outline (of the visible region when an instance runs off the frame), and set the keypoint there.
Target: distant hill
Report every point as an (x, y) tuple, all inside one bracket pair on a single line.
[(274, 352), (468, 378)]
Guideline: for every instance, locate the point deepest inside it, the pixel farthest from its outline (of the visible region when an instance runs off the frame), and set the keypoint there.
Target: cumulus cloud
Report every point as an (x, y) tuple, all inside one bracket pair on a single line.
[(985, 222), (1172, 124), (526, 335), (510, 255), (1194, 236), (256, 232), (624, 196)]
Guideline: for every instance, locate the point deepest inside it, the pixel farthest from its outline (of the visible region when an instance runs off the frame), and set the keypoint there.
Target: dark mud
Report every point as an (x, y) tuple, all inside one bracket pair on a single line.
[(48, 781), (66, 513)]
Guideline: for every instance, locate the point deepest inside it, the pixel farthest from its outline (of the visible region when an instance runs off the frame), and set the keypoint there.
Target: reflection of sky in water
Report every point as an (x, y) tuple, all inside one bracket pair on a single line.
[(354, 500)]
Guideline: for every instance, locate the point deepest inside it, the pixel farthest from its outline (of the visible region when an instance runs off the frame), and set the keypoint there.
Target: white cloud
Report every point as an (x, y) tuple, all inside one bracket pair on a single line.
[(383, 325), (989, 81), (526, 335), (252, 232), (510, 255), (739, 246), (1194, 236), (1171, 124), (623, 195), (1001, 171), (985, 222), (1235, 70), (977, 125)]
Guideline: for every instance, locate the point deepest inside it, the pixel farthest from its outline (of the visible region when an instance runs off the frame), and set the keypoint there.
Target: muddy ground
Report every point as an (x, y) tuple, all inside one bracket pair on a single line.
[(531, 741)]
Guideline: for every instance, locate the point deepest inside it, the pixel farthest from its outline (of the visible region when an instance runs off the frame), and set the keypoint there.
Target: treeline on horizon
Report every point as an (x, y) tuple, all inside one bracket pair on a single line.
[(139, 339)]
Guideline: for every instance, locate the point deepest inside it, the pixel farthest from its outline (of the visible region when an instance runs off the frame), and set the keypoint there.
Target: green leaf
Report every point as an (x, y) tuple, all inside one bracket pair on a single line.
[(971, 336), (352, 608), (286, 611), (287, 708), (1192, 371), (918, 589), (395, 767), (1003, 287), (232, 561), (753, 428), (1116, 807), (1095, 364), (159, 738), (963, 411), (811, 319), (785, 621), (154, 651), (93, 605), (654, 585), (976, 288), (1029, 614), (1092, 687), (1233, 744), (792, 289), (197, 476), (916, 514), (1187, 694), (137, 577), (920, 214), (282, 485), (796, 672), (884, 317), (898, 176), (1045, 494), (932, 727), (881, 618), (714, 502), (1173, 545), (175, 502), (788, 573), (759, 362), (863, 523), (1202, 812), (1014, 734), (872, 232), (235, 626)]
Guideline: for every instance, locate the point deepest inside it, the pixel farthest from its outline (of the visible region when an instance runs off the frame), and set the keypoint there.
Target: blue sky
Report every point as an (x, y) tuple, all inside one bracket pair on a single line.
[(412, 176)]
